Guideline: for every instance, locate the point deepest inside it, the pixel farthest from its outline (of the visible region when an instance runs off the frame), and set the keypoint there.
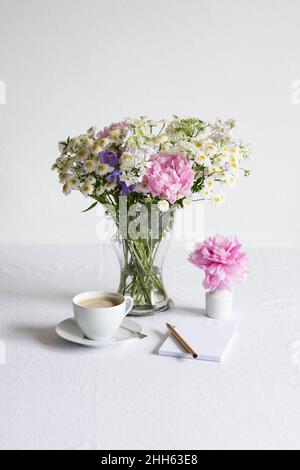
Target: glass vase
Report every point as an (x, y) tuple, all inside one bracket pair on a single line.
[(141, 256)]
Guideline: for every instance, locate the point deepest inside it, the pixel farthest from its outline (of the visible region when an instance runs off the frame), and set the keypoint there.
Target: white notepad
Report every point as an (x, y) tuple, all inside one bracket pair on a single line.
[(210, 342)]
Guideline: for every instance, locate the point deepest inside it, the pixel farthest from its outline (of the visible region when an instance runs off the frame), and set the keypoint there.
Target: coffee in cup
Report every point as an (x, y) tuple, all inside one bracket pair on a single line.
[(99, 314)]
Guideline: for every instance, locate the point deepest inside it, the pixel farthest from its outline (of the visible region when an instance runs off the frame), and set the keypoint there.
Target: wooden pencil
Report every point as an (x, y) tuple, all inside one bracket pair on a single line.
[(181, 341)]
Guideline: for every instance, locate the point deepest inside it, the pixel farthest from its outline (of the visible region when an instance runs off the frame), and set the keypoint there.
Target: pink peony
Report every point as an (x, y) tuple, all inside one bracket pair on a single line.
[(223, 262), (170, 177)]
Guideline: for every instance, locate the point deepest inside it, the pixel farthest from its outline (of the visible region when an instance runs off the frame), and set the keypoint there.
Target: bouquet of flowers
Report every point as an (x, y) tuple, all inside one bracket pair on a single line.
[(150, 164)]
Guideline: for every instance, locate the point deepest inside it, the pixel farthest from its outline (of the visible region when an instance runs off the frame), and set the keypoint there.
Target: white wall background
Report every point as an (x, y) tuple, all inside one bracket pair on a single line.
[(68, 64)]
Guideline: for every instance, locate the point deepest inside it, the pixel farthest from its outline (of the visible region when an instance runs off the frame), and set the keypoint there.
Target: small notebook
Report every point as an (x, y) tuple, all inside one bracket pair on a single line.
[(211, 342)]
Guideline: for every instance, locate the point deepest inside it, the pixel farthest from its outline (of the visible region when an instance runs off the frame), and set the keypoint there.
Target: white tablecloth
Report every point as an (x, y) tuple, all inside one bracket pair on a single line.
[(56, 395)]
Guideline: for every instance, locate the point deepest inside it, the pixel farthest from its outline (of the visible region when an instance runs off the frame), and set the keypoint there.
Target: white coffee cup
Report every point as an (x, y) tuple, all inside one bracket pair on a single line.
[(99, 323)]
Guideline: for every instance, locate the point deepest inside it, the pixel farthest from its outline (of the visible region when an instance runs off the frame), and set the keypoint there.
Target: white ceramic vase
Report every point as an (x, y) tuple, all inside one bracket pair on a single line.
[(219, 304)]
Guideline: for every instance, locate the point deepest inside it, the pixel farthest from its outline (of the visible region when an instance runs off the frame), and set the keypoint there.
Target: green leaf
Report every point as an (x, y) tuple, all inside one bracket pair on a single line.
[(91, 207)]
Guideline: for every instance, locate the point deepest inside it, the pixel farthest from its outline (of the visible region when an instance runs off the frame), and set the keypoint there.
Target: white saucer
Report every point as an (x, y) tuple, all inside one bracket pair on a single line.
[(69, 330)]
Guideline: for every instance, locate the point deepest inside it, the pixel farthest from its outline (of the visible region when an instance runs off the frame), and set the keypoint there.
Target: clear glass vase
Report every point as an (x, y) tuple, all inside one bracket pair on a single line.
[(141, 257)]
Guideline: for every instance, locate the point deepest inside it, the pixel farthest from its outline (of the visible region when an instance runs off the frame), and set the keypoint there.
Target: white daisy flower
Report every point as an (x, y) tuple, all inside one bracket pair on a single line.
[(205, 193), (234, 167), (100, 191), (96, 148), (234, 160), (90, 165), (90, 180), (218, 199), (211, 149), (67, 163), (216, 169), (231, 180), (74, 182), (221, 160), (91, 131), (163, 206), (103, 169), (86, 141), (109, 186), (63, 177), (87, 189), (67, 188), (82, 153), (209, 183), (202, 159), (187, 202)]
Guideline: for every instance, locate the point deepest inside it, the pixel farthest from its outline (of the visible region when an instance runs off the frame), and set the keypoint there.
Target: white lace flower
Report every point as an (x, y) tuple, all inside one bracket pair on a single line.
[(186, 148), (134, 165)]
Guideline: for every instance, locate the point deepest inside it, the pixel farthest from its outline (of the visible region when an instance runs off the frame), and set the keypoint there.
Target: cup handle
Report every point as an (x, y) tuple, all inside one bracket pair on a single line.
[(129, 304)]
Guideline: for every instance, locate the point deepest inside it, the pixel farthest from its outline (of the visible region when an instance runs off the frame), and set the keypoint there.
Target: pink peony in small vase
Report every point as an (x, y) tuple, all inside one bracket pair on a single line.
[(225, 266)]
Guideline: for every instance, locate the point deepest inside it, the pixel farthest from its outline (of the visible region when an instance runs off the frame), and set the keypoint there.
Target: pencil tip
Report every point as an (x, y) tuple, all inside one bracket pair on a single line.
[(195, 356)]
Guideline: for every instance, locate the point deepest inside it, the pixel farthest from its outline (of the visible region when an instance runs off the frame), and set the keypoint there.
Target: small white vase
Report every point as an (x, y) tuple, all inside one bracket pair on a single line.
[(219, 304)]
